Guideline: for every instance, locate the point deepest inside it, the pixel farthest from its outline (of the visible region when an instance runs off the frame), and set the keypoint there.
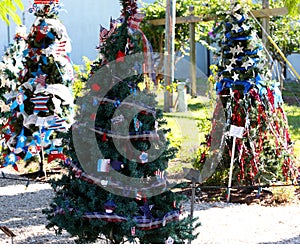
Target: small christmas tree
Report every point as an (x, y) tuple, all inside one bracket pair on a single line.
[(120, 194), (37, 89), (252, 101)]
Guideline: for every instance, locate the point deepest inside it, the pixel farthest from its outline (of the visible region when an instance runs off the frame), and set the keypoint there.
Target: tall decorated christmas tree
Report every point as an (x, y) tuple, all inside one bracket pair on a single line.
[(116, 190), (36, 86), (253, 107)]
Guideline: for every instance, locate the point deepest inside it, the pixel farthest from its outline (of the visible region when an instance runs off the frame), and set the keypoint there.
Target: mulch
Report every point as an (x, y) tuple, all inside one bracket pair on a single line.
[(245, 195)]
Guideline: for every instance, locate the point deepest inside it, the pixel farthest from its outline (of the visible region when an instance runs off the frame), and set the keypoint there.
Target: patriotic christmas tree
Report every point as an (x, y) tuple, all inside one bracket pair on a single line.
[(36, 88), (122, 193), (253, 104)]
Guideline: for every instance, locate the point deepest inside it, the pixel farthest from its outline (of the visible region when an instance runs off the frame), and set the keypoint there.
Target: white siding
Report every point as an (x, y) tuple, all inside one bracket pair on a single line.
[(82, 20)]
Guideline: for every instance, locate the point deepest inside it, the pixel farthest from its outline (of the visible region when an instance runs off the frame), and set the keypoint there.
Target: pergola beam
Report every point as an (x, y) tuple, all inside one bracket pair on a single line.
[(262, 13)]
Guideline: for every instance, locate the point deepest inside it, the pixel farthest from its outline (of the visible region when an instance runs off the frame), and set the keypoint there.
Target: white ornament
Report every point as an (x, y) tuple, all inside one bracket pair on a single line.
[(229, 68), (233, 60), (235, 76), (233, 50), (245, 27), (169, 241), (239, 49), (235, 28)]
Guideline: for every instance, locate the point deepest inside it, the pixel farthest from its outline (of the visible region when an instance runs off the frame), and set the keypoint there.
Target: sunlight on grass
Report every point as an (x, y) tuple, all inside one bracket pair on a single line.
[(293, 115), (187, 136)]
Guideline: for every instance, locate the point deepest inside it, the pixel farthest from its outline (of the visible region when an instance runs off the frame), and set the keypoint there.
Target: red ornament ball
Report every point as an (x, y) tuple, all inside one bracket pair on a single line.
[(93, 117), (96, 87)]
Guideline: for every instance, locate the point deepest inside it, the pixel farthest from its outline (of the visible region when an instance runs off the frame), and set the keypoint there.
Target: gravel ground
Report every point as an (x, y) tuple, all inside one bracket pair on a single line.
[(222, 223)]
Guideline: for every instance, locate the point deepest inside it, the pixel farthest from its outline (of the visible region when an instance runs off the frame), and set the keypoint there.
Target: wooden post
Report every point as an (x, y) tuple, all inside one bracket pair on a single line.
[(169, 56), (193, 55), (265, 24)]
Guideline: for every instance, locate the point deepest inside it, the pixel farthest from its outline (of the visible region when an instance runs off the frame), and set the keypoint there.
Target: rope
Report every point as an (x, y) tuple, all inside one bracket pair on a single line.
[(276, 47)]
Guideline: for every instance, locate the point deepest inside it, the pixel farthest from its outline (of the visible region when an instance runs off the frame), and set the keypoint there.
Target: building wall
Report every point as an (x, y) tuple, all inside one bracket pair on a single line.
[(82, 20)]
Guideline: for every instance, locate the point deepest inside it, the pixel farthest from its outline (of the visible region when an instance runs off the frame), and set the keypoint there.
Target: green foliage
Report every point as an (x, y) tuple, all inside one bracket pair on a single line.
[(76, 196), (293, 6), (81, 76), (9, 8), (156, 34)]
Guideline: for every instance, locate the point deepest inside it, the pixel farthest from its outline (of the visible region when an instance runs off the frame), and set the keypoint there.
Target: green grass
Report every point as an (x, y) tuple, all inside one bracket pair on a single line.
[(293, 116), (187, 135)]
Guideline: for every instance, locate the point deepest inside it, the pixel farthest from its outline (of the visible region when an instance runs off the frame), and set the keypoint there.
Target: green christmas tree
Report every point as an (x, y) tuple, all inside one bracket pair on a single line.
[(36, 86), (251, 101), (116, 189)]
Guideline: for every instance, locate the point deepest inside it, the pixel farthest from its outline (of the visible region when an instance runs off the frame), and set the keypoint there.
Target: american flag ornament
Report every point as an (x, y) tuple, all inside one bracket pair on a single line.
[(103, 34), (41, 79), (160, 174), (133, 231), (139, 196), (57, 123)]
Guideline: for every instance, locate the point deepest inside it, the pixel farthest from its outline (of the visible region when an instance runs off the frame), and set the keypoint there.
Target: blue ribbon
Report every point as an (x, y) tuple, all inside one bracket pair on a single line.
[(277, 94), (228, 83), (245, 38), (260, 85)]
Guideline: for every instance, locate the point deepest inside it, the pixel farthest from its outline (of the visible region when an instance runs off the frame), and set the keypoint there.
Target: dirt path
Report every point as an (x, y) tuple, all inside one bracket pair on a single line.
[(222, 223)]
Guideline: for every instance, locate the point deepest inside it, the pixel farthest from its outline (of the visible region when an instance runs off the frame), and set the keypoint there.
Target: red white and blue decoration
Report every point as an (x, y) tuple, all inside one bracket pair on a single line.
[(144, 222), (36, 76)]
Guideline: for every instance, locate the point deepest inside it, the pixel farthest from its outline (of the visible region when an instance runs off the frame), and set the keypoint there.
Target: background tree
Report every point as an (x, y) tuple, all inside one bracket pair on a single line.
[(285, 36), (93, 201), (37, 85), (285, 31), (156, 34), (8, 8)]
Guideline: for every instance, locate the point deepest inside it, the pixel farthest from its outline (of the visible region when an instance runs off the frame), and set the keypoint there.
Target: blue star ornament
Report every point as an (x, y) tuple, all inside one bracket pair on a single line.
[(43, 137), (32, 150), (11, 159), (21, 140)]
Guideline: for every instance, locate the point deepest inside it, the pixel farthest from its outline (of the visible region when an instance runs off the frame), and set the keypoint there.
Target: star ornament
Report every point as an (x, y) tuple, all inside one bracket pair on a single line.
[(229, 68), (235, 28), (11, 159), (233, 60), (239, 49), (233, 50), (235, 76), (42, 137), (40, 104), (32, 150), (21, 140), (245, 27)]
